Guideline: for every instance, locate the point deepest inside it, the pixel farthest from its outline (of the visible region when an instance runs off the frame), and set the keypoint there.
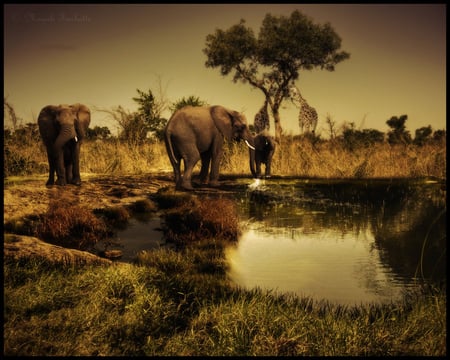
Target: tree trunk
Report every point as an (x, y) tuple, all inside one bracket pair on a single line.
[(278, 129)]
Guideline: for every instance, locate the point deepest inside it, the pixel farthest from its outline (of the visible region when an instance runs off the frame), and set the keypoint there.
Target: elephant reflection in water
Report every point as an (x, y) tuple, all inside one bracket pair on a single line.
[(63, 129), (264, 145)]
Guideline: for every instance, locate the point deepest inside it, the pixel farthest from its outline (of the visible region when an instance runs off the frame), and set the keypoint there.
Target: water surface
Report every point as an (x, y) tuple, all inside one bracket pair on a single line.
[(349, 243)]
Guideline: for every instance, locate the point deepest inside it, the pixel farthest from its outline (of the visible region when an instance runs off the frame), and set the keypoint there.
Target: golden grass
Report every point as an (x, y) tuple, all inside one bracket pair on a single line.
[(198, 219), (293, 157), (71, 226)]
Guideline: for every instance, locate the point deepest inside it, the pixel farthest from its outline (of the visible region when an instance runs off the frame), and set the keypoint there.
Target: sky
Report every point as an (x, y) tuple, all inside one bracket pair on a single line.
[(100, 55)]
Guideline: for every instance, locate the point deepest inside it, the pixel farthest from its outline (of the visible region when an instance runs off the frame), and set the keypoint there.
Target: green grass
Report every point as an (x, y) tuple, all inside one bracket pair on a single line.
[(167, 304)]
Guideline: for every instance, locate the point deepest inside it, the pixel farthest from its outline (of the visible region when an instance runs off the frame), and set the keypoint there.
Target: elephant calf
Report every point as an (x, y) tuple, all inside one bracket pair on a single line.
[(197, 133), (62, 129), (262, 154)]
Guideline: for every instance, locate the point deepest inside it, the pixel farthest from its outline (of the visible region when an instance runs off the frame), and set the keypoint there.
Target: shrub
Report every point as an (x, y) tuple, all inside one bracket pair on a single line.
[(200, 219), (70, 226)]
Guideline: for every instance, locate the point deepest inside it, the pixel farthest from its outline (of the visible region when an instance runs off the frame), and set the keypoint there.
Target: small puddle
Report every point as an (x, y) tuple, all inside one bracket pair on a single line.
[(141, 233)]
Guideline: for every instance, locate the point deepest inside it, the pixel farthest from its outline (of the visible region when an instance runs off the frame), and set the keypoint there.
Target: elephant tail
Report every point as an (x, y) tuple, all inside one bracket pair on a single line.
[(169, 147)]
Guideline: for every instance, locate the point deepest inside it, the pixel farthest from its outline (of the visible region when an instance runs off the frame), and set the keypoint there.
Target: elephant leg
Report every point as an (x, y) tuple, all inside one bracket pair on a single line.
[(206, 160), (258, 169), (258, 161), (189, 163), (60, 169), (68, 163), (51, 170), (267, 173), (69, 174), (215, 165), (75, 163), (177, 173)]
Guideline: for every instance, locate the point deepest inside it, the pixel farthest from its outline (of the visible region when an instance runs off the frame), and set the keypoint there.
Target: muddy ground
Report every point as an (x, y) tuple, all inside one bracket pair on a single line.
[(28, 196), (25, 196)]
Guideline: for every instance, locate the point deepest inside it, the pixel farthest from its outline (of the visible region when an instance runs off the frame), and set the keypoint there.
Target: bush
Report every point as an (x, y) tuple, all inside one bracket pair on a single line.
[(70, 226), (200, 219)]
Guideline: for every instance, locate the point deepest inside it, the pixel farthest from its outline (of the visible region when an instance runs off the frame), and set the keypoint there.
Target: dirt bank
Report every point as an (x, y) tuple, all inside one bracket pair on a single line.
[(25, 196), (29, 196)]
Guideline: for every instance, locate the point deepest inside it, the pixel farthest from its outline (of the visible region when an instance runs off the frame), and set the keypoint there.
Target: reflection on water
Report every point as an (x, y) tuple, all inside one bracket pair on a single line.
[(348, 243), (141, 233), (325, 265)]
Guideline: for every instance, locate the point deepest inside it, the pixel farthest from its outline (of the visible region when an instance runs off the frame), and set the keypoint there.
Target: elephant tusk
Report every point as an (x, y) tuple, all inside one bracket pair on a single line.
[(76, 139), (248, 144)]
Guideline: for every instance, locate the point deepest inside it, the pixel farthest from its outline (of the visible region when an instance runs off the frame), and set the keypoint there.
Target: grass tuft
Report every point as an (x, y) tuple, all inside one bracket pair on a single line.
[(70, 226)]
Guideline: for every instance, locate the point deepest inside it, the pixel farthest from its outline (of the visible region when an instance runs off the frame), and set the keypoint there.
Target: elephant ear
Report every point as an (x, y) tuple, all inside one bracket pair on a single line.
[(83, 118), (223, 119)]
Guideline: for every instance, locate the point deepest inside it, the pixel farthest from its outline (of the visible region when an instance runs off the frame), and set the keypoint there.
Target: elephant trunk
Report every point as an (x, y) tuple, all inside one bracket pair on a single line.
[(248, 138), (66, 133)]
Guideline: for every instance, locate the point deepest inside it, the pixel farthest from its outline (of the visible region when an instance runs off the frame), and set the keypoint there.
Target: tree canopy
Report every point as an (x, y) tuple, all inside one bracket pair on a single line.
[(186, 101), (272, 61)]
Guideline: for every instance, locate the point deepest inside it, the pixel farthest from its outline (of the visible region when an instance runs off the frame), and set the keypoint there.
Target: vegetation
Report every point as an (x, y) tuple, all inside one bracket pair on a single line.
[(179, 303), (205, 218), (272, 61), (189, 101), (353, 153)]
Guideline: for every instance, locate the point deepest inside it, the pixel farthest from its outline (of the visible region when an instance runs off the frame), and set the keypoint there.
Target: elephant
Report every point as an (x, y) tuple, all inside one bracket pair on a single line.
[(196, 133), (63, 129), (262, 154)]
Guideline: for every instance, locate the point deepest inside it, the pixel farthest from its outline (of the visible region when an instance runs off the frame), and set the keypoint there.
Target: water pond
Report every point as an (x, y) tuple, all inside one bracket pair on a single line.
[(349, 242)]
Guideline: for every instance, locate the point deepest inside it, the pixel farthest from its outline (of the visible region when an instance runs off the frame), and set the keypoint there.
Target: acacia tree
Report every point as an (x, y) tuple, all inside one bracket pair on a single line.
[(272, 61)]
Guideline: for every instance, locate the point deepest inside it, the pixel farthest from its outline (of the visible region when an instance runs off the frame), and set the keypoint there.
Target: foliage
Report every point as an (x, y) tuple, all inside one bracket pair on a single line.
[(440, 136), (136, 127), (10, 113), (70, 226), (353, 138), (195, 219), (98, 132), (346, 154), (19, 151), (398, 134), (189, 101), (272, 61), (132, 129), (422, 135), (150, 112)]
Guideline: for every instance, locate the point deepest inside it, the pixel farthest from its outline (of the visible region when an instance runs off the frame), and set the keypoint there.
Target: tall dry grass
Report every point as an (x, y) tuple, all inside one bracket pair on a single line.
[(331, 159), (299, 156)]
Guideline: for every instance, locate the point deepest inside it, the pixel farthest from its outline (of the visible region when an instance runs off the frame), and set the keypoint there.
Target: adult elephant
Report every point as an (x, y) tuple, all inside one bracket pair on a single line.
[(262, 154), (196, 133), (62, 129)]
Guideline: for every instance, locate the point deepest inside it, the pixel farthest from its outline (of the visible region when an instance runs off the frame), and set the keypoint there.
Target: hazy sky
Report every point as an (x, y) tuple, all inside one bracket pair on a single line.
[(100, 54)]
